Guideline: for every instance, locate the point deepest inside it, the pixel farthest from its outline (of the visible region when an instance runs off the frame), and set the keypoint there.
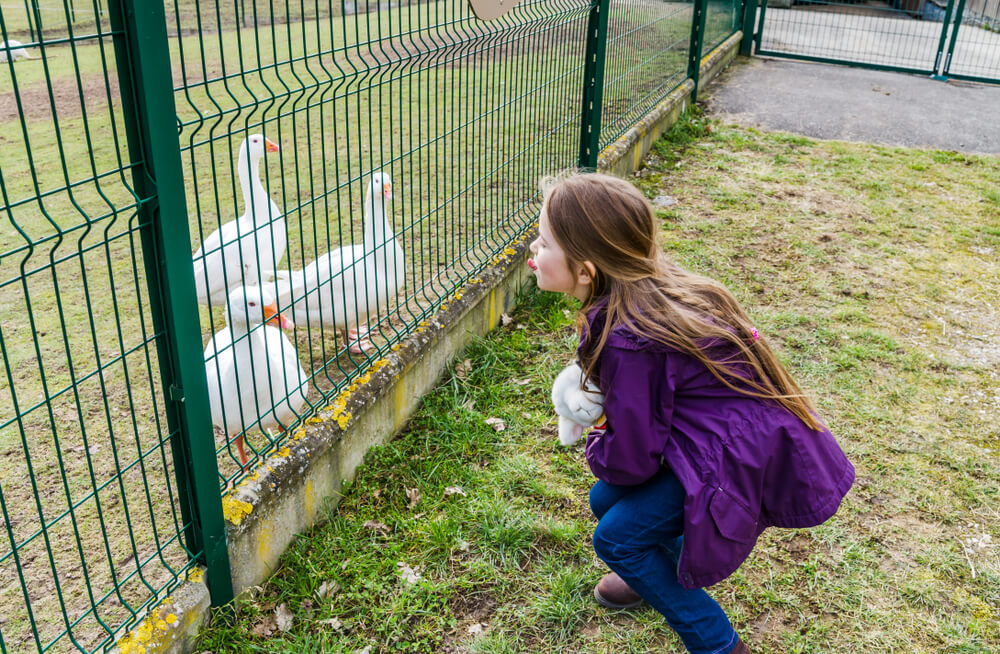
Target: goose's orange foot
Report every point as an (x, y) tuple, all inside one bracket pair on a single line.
[(359, 343), (241, 448)]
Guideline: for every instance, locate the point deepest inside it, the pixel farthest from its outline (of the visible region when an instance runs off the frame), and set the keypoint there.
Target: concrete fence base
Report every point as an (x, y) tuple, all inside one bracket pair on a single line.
[(285, 495)]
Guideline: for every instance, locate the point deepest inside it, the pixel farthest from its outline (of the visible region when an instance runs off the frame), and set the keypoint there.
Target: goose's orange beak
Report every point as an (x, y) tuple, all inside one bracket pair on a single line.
[(270, 146), (387, 190), (272, 317)]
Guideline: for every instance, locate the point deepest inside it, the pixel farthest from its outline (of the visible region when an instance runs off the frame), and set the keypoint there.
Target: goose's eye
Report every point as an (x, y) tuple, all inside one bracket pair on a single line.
[(251, 304)]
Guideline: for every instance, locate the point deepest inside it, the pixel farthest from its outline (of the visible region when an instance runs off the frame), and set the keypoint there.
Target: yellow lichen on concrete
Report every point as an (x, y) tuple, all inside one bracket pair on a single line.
[(264, 538), (234, 510), (309, 498), (151, 634), (195, 575)]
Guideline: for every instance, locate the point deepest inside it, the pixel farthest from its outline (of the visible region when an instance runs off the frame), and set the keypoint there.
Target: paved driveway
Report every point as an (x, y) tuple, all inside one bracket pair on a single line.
[(855, 104)]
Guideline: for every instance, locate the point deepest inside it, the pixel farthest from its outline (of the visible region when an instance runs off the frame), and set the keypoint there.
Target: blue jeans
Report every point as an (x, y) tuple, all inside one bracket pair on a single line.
[(639, 535)]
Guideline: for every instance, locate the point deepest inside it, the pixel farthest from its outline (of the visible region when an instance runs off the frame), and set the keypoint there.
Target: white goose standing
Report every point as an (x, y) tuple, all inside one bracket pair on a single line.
[(347, 287), (254, 374), (235, 253)]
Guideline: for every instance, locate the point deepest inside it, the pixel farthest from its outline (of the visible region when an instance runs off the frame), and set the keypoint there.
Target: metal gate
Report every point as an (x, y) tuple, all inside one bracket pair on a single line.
[(940, 38)]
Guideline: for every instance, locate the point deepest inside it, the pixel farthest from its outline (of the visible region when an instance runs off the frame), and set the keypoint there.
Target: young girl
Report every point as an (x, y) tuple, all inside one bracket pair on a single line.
[(708, 439)]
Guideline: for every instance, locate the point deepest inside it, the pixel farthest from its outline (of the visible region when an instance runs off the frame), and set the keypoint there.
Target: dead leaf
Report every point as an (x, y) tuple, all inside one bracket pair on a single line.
[(505, 319), (525, 414), (414, 496), (410, 576), (283, 617), (333, 623), (475, 628), (377, 526), (463, 369), (366, 650), (470, 405), (463, 545), (327, 589), (496, 423), (454, 490), (265, 627), (522, 382)]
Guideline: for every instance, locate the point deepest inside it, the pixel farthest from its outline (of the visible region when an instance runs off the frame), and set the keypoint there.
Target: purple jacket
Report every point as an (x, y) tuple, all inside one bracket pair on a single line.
[(745, 464)]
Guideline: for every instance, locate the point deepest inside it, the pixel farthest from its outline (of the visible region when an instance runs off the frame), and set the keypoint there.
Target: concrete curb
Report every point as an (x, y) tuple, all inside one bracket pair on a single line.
[(173, 625), (286, 494)]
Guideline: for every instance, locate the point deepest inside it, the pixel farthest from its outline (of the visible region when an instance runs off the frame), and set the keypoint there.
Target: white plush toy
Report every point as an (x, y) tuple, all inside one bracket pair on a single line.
[(578, 406)]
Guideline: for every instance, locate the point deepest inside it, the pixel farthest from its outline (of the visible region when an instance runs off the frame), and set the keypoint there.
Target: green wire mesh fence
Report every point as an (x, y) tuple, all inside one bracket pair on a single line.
[(223, 170), (974, 48), (722, 19), (91, 519), (647, 53), (877, 35), (949, 38)]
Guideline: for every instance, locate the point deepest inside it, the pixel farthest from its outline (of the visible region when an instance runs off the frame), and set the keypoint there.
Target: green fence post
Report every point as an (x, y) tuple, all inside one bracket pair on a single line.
[(593, 83), (144, 73), (749, 18), (31, 26), (938, 73), (759, 31), (697, 42), (959, 14)]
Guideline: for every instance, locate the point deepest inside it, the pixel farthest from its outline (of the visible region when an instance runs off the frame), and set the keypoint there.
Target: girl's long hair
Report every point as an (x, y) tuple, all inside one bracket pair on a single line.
[(607, 221)]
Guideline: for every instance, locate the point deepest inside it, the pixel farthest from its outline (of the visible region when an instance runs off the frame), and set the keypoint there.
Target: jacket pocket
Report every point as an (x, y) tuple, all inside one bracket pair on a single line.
[(731, 517)]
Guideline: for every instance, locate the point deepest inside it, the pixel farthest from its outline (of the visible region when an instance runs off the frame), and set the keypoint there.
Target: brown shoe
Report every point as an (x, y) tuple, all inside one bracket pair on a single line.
[(740, 648), (611, 591)]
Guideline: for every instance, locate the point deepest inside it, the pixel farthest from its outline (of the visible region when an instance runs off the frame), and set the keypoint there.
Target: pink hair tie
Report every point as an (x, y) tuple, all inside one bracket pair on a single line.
[(755, 334)]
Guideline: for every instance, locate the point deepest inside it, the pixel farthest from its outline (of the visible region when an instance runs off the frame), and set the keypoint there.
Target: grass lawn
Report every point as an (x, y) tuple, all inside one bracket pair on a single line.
[(874, 272)]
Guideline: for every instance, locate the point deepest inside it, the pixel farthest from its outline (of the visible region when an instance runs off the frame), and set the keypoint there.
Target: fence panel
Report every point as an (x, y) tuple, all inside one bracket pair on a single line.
[(974, 48), (646, 59), (722, 19), (889, 36), (92, 520)]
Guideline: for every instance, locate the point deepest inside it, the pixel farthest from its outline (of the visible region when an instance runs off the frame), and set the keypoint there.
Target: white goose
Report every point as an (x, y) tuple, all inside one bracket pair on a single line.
[(234, 254), (15, 50), (254, 374), (347, 287)]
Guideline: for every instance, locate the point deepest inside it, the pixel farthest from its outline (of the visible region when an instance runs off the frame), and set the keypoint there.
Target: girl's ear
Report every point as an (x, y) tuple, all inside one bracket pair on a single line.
[(587, 273)]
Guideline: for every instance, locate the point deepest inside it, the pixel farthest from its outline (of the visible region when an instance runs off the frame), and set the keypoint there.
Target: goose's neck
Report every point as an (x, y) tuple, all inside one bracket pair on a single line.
[(377, 228), (254, 195), (239, 330)]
